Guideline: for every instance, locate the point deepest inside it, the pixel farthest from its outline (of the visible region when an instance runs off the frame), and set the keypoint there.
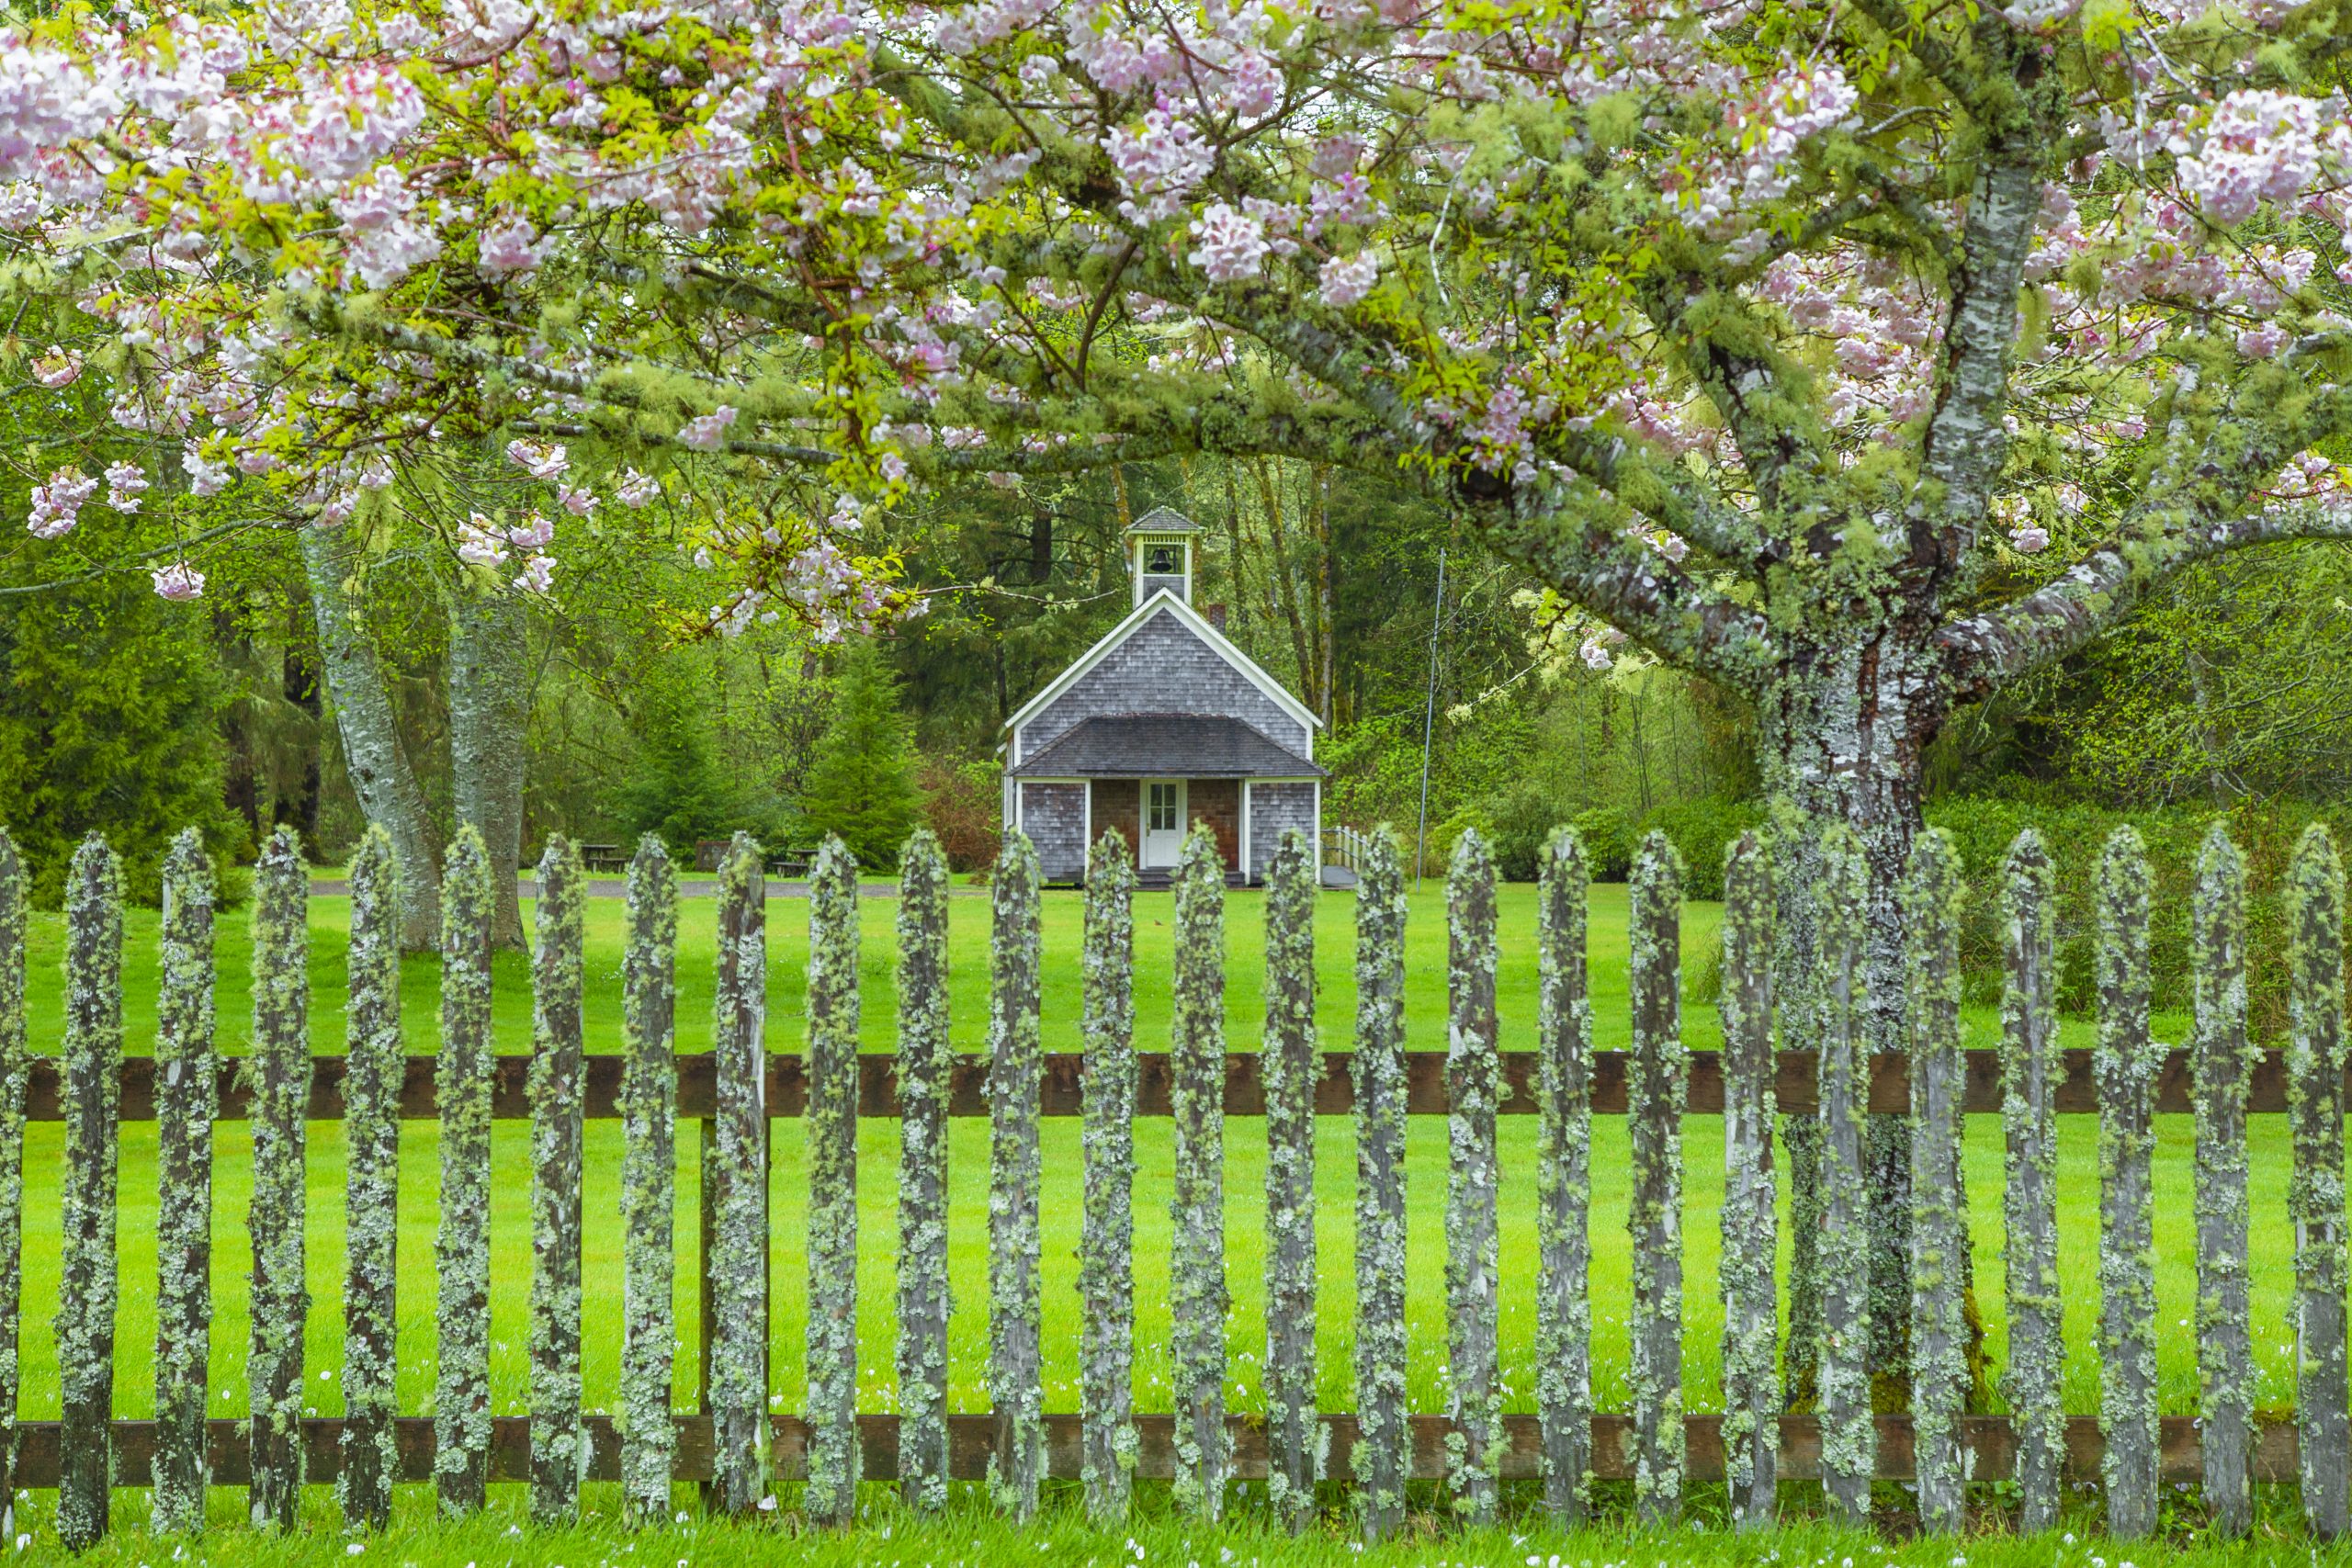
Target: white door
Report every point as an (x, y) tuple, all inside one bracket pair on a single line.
[(1163, 821)]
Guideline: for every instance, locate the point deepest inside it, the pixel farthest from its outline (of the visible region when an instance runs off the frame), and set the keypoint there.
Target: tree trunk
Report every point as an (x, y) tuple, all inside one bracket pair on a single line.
[(372, 754), (488, 700)]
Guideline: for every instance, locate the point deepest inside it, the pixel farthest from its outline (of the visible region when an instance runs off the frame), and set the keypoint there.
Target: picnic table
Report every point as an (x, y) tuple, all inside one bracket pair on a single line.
[(603, 857)]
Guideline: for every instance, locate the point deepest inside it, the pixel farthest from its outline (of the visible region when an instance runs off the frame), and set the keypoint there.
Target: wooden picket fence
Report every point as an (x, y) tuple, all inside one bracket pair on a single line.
[(740, 1450)]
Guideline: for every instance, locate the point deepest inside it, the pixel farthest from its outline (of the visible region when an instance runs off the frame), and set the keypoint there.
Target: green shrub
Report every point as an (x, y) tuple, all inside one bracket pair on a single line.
[(1609, 842), (1704, 829), (862, 784)]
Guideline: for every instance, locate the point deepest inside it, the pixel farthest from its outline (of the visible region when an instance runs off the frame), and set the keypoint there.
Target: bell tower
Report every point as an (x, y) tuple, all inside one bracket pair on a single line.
[(1160, 554)]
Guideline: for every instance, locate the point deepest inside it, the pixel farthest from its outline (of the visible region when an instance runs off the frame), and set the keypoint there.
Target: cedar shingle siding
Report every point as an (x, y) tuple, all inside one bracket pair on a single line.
[(1162, 666), (1054, 816), (1275, 810)]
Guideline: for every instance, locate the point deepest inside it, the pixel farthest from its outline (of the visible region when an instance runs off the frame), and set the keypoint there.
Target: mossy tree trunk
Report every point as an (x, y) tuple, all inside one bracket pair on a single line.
[(926, 1061), (1849, 1444), (558, 1441), (1016, 1071), (735, 1176), (2033, 1382), (2125, 1064), (1750, 1219), (1473, 1236), (1295, 1437), (1656, 1088), (833, 1457), (1106, 1242), (462, 1245), (2315, 1195), (1196, 1208), (89, 1285), (187, 1098), (649, 1184), (375, 1068), (278, 1073), (1932, 904), (1383, 1454), (2221, 1059)]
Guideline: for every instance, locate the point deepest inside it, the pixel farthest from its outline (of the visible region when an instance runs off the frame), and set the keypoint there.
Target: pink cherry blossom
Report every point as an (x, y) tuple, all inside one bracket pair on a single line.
[(538, 575), (1231, 243), (540, 460), (480, 542), (1345, 280), (179, 582), (57, 503), (510, 247), (58, 367), (635, 490), (708, 433), (126, 483)]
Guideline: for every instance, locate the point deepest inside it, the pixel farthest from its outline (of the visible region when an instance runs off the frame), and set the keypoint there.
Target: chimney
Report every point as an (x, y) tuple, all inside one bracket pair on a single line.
[(1215, 613)]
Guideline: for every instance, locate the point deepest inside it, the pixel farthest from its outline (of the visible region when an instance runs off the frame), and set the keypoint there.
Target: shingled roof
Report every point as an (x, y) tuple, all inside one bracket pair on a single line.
[(1196, 746)]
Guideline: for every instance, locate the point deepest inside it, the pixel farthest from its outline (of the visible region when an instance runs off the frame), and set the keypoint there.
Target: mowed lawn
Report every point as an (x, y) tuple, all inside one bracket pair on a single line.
[(1426, 973)]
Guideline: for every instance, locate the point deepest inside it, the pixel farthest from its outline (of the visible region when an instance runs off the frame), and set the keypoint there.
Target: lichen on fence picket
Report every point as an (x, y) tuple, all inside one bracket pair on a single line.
[(2032, 1382), (1196, 1207), (1564, 1178), (735, 1173), (1016, 1068), (278, 1073), (926, 1059), (1383, 1454), (1842, 1374), (186, 1096), (1294, 1433), (1749, 1222), (2221, 1060), (1107, 1148), (558, 1453), (14, 1073), (648, 1183), (831, 1137), (1932, 905), (1473, 1236), (375, 1068), (461, 1244), (1657, 1088), (2315, 908), (2125, 1065), (88, 1286)]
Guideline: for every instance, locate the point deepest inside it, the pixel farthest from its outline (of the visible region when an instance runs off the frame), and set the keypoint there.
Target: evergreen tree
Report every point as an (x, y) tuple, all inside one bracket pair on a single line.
[(862, 784)]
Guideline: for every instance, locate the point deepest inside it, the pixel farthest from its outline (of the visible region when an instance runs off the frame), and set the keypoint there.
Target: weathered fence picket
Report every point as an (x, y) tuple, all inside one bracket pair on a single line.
[(2316, 1193), (461, 1244), (926, 1058), (187, 1085), (87, 1284), (1931, 905), (1294, 1438), (556, 1174), (1750, 1219), (1564, 1178), (1473, 1237), (831, 1128), (1196, 1209), (15, 1070), (735, 1192), (649, 1182), (1849, 1444), (2029, 1200), (1017, 1366), (1656, 1089), (371, 1132), (1384, 1441), (2127, 1062), (1107, 1149), (278, 1070), (2221, 1059)]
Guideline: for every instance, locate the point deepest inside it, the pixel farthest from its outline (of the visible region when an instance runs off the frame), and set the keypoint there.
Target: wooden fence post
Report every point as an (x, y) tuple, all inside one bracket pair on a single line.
[(1750, 1218), (926, 1059), (1564, 1179), (1849, 1444), (87, 1282), (185, 1099), (833, 1457), (1294, 1437), (2032, 1382), (1106, 1242), (2220, 1061), (461, 1244), (1016, 1068), (649, 1184), (2125, 1065), (1932, 904), (557, 1442), (279, 1072), (2315, 1196), (735, 1183), (375, 1065), (1196, 1091), (1384, 1452), (15, 1070), (1473, 1084), (1657, 1088)]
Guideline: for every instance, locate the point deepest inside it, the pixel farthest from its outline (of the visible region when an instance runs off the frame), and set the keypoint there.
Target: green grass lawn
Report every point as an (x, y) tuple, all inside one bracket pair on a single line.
[(1425, 982)]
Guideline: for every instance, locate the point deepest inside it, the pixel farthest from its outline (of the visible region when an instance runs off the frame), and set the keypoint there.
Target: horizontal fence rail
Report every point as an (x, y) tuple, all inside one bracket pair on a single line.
[(1063, 1090)]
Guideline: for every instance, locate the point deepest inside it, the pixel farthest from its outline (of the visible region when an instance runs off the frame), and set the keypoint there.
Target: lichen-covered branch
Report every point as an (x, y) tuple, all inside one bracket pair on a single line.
[(1750, 1219), (1107, 1142), (1849, 1444), (1383, 1454), (2032, 1383), (462, 1245), (374, 1069), (833, 1456), (278, 1073), (1932, 907), (648, 1183), (2125, 1065), (87, 1284), (186, 1099), (1657, 1087), (15, 1072), (558, 1451), (926, 1058), (1016, 1068), (1196, 1208), (1295, 1433), (736, 1175), (2314, 901), (2222, 1057), (1473, 1086)]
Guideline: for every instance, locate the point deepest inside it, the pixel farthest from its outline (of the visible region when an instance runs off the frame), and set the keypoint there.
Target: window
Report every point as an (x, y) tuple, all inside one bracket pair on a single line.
[(1163, 560), (1162, 809)]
